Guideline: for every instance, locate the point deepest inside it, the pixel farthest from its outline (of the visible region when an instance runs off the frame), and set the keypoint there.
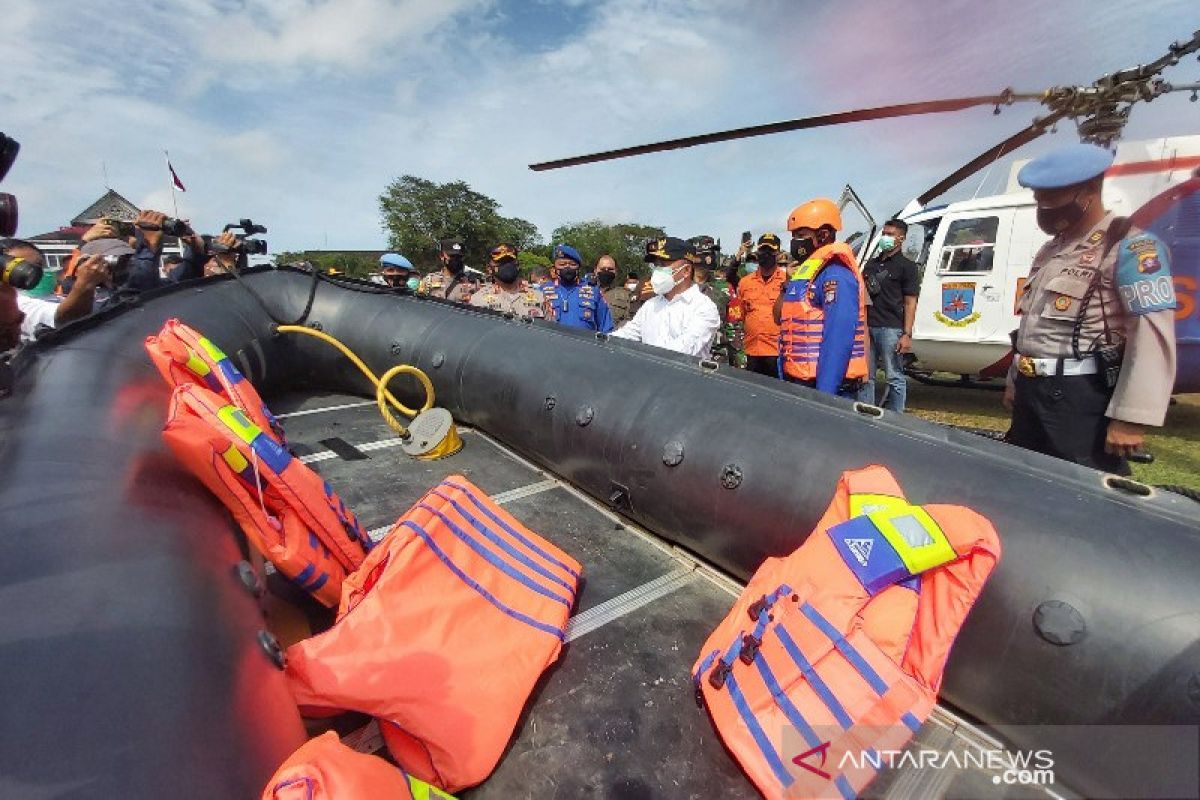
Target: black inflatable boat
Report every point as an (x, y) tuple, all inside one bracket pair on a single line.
[(131, 662)]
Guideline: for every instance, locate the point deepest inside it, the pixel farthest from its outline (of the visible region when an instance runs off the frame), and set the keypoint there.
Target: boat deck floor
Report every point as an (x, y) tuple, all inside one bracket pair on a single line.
[(615, 717)]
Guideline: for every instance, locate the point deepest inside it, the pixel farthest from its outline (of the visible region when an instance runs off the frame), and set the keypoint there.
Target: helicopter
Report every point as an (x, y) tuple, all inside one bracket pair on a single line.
[(975, 255)]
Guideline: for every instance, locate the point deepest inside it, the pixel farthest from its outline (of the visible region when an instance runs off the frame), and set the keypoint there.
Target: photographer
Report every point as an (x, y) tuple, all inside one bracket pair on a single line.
[(32, 313), (143, 236)]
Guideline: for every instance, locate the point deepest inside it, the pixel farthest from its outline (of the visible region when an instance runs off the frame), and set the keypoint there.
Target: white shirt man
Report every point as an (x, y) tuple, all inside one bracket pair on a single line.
[(679, 317)]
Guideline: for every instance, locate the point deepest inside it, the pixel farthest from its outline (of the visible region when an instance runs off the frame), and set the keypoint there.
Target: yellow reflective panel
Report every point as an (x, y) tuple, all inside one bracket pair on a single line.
[(197, 365), (866, 503), (237, 422), (213, 351), (423, 791), (915, 537), (234, 458)]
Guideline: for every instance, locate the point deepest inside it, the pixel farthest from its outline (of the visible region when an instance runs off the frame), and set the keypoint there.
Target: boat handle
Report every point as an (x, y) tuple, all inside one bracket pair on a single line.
[(1128, 485), (868, 410), (708, 364)]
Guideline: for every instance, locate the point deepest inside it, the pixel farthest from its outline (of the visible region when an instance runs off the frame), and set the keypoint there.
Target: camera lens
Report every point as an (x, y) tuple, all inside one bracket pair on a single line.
[(19, 273), (8, 214), (175, 227)]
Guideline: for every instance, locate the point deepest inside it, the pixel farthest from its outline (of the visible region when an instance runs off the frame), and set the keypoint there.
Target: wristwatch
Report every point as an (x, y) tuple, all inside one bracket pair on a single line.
[(906, 333)]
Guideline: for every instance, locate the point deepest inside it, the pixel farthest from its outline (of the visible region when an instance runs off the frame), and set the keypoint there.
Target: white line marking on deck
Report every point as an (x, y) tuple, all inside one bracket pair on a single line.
[(610, 610), (308, 411)]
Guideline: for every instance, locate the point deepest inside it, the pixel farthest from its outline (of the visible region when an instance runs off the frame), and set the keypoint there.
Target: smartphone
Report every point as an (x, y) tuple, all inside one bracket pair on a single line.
[(747, 238)]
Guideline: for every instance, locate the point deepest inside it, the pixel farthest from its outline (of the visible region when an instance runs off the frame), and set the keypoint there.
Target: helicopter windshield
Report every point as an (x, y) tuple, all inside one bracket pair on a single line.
[(969, 245)]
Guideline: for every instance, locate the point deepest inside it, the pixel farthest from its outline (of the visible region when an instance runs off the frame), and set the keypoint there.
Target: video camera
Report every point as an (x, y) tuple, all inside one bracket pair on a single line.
[(16, 272), (245, 245)]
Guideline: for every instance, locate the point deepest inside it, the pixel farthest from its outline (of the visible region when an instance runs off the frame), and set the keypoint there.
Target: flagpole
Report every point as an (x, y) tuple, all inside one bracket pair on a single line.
[(171, 180)]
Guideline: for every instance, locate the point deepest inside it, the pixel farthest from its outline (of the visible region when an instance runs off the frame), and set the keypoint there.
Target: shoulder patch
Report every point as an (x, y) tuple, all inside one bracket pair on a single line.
[(1096, 237), (829, 290), (1143, 275)]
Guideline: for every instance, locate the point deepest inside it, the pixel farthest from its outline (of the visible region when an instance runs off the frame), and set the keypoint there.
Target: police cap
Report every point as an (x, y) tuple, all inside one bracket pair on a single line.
[(1066, 166)]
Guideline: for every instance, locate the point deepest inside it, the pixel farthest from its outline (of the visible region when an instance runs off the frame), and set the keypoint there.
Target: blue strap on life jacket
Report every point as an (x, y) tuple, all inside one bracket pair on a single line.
[(560, 633)]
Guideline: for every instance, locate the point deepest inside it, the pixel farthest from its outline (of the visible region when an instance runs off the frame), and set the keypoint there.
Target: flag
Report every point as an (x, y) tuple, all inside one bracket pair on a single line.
[(175, 178)]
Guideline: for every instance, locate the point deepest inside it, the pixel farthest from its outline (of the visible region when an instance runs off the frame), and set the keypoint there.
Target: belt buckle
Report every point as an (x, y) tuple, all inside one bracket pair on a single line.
[(1026, 367)]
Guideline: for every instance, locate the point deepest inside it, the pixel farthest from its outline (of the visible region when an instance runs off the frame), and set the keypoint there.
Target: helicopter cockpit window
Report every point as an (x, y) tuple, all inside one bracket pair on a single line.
[(969, 245)]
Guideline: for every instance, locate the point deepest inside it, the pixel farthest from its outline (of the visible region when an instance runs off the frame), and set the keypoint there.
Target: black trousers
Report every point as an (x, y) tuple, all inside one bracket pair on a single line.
[(763, 365), (1063, 416)]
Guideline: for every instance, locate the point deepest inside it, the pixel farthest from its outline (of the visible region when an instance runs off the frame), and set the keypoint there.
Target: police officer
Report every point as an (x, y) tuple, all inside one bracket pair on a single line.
[(1095, 352), (397, 271), (508, 292), (572, 302), (711, 282), (451, 283), (617, 296)]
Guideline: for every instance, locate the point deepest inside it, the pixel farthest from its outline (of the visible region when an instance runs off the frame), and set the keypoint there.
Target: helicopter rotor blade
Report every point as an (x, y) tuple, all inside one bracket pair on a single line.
[(1007, 97), (1023, 137)]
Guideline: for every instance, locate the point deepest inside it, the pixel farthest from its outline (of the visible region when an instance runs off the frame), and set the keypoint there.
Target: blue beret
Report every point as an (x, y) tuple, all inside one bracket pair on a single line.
[(1066, 166), (566, 251), (394, 260)]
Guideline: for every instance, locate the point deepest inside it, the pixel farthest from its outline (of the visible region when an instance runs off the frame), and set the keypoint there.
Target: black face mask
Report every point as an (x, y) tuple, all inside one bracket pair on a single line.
[(1060, 218), (455, 265), (766, 260), (508, 272), (568, 276), (605, 278), (803, 247)]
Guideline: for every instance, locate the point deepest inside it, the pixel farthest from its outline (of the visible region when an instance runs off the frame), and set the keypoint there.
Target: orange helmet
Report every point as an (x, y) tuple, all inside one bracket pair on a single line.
[(814, 214)]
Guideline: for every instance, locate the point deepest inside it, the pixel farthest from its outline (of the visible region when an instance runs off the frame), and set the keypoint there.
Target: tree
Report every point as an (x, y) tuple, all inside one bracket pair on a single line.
[(624, 242), (418, 213)]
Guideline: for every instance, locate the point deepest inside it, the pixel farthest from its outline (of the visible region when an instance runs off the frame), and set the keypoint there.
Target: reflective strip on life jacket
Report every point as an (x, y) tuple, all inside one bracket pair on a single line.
[(182, 355), (286, 510), (442, 633), (326, 769), (850, 662)]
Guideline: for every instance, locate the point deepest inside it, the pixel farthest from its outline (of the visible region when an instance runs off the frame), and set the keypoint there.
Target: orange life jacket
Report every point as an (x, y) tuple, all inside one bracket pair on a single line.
[(287, 511), (325, 769), (442, 633), (182, 355), (802, 322), (835, 653)]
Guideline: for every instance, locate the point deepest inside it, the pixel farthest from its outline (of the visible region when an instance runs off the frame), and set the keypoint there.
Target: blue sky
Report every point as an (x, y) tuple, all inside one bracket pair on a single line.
[(299, 112)]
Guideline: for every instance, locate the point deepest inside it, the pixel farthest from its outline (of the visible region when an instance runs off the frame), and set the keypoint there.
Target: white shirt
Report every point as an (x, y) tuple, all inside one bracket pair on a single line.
[(685, 324), (37, 312)]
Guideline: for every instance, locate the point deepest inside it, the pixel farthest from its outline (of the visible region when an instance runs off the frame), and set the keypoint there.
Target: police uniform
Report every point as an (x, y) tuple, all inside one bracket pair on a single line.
[(1097, 338), (523, 301), (436, 284)]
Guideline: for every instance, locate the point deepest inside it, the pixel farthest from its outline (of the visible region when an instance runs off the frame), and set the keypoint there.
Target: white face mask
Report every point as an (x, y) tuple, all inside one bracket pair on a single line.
[(662, 280)]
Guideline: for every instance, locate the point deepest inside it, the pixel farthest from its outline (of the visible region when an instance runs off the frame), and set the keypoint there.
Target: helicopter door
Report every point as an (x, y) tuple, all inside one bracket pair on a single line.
[(969, 277), (858, 230)]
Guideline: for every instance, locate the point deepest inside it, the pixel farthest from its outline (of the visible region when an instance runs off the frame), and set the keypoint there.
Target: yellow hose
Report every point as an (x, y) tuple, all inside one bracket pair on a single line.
[(382, 396)]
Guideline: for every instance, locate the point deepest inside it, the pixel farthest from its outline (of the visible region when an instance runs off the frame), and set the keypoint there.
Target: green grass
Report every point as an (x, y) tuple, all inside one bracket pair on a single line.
[(1176, 446)]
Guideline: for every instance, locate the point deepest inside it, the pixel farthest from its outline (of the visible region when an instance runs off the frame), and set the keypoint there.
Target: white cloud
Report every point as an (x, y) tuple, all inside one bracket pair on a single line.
[(299, 112)]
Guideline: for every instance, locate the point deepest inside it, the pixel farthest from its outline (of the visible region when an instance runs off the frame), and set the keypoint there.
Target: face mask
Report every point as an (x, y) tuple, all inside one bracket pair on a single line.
[(455, 265), (605, 278), (508, 271), (749, 267), (662, 280), (631, 285), (413, 283), (886, 243), (1060, 218), (803, 247), (568, 276), (766, 260)]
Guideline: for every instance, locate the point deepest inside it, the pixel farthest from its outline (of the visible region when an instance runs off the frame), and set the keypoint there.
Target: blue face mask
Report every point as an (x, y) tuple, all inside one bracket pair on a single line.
[(749, 267)]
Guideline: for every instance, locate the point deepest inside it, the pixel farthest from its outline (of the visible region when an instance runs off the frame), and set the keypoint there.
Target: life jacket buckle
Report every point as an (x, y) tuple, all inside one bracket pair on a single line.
[(750, 647), (720, 671), (757, 608)]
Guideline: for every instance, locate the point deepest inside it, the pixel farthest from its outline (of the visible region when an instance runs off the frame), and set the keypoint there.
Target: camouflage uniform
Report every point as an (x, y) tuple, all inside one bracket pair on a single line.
[(619, 301)]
